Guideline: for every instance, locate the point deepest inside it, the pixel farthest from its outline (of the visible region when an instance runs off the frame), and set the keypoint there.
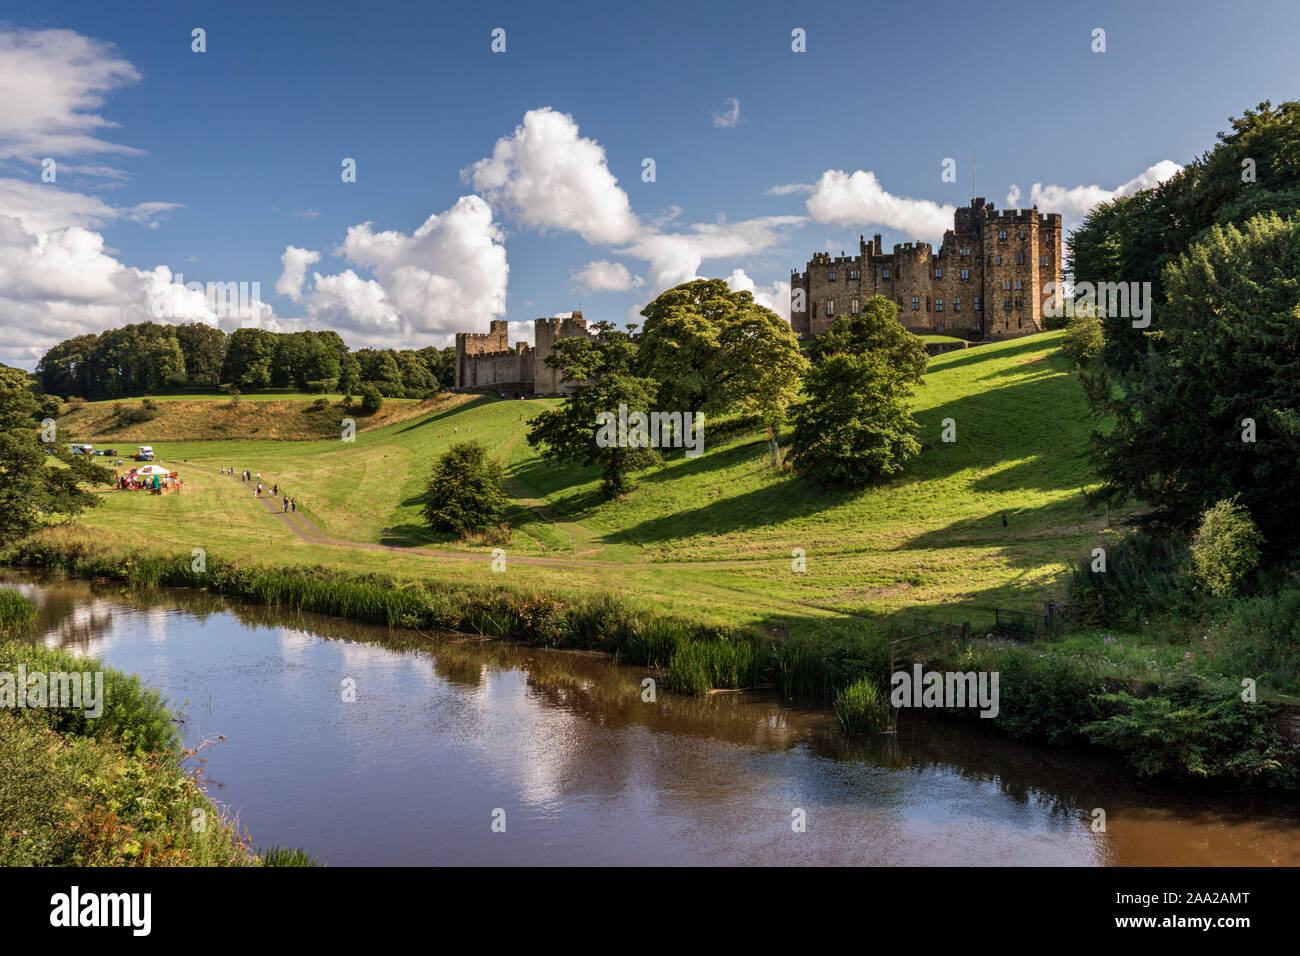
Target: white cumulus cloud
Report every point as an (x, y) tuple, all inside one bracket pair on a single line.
[(1073, 202), (858, 199), (605, 276), (547, 176), (295, 262)]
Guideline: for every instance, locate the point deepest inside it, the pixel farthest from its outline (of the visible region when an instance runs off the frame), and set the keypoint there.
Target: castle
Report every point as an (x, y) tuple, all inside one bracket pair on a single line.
[(988, 280), (484, 360)]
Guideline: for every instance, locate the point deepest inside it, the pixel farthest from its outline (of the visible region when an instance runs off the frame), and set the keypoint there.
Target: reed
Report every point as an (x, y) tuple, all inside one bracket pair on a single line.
[(861, 708)]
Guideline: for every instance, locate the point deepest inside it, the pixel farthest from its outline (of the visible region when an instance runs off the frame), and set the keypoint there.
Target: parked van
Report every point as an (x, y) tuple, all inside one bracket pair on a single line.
[(145, 453)]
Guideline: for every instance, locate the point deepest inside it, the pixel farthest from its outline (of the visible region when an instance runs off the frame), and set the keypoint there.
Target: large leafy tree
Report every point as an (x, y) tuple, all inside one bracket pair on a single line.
[(1226, 354), (464, 492), (876, 330), (710, 349), (570, 432), (854, 425), (34, 485)]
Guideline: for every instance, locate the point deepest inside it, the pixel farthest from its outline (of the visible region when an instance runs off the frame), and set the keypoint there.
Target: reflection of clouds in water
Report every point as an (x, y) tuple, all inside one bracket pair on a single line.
[(528, 746)]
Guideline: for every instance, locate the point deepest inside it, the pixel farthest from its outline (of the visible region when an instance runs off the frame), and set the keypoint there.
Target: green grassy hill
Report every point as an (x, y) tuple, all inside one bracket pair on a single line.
[(713, 534)]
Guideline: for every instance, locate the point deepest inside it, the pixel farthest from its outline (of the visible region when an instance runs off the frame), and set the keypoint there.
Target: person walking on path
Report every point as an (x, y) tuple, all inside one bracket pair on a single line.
[(293, 502), (259, 489), (275, 489), (286, 504)]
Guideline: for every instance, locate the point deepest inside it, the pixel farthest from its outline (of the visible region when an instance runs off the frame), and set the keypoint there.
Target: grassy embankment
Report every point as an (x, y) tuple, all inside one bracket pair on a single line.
[(102, 791)]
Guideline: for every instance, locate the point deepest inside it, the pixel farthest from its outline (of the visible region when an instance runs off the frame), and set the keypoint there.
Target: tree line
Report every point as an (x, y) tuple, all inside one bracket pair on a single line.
[(1202, 407), (149, 357)]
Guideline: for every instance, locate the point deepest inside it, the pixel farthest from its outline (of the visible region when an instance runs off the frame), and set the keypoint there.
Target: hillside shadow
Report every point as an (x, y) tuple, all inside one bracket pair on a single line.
[(776, 503), (981, 353), (447, 413)]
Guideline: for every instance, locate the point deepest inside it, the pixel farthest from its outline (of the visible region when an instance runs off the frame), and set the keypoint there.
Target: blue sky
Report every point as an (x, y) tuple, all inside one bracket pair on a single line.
[(212, 164)]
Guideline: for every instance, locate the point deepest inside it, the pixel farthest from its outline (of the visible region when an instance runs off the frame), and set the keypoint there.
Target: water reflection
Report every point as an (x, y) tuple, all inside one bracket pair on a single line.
[(446, 729)]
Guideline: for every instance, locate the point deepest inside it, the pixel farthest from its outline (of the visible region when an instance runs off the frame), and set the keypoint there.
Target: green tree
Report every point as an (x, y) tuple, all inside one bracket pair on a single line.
[(1211, 410), (875, 330), (204, 348), (854, 425), (371, 400), (250, 356), (35, 485), (1226, 547), (572, 432), (464, 493), (711, 349)]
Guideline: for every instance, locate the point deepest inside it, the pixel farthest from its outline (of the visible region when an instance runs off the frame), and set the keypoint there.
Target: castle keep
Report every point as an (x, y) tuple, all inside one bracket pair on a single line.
[(488, 360), (988, 280)]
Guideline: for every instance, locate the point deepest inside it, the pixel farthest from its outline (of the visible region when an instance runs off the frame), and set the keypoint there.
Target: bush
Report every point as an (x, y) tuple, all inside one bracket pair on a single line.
[(133, 717), (1144, 575), (1261, 638), (1226, 548), (464, 492), (1047, 697), (1083, 338), (371, 400), (1195, 735)]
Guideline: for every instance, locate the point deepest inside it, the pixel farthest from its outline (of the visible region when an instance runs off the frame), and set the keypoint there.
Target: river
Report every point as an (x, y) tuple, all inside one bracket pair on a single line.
[(448, 734)]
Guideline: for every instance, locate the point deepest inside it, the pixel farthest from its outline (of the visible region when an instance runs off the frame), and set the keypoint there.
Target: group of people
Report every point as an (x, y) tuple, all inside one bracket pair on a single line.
[(155, 484), (287, 503)]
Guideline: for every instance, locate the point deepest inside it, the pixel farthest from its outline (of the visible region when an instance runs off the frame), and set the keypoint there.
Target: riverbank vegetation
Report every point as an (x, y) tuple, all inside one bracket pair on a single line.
[(112, 790)]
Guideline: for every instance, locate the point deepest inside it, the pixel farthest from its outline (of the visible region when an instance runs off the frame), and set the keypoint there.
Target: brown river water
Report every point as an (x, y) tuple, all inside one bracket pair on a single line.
[(447, 734)]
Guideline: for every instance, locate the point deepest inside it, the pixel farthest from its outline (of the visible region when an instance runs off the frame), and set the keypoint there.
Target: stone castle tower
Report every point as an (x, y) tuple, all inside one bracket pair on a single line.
[(487, 360), (988, 280)]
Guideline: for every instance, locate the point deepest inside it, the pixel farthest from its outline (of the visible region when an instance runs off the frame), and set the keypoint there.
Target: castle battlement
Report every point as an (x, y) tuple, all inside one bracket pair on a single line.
[(978, 285), (487, 359)]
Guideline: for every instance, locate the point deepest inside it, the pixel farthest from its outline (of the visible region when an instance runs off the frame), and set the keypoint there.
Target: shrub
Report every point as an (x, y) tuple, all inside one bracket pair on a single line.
[(371, 400), (1144, 574), (1191, 734), (1261, 638), (861, 708), (1083, 338), (1048, 697), (1226, 547), (133, 717), (464, 492)]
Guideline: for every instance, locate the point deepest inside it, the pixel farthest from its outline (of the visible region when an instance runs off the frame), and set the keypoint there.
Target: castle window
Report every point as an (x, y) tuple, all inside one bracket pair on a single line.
[(916, 302), (814, 315), (956, 304), (1006, 285), (830, 307), (831, 275), (963, 252), (938, 305), (853, 273), (965, 274), (1022, 233), (1006, 305), (999, 260), (977, 303), (1019, 284), (886, 272), (853, 306), (1020, 322), (1002, 233), (1043, 260), (938, 272), (1020, 258)]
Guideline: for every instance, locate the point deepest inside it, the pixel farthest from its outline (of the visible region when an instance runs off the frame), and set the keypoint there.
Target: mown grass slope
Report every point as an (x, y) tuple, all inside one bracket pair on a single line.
[(716, 533)]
